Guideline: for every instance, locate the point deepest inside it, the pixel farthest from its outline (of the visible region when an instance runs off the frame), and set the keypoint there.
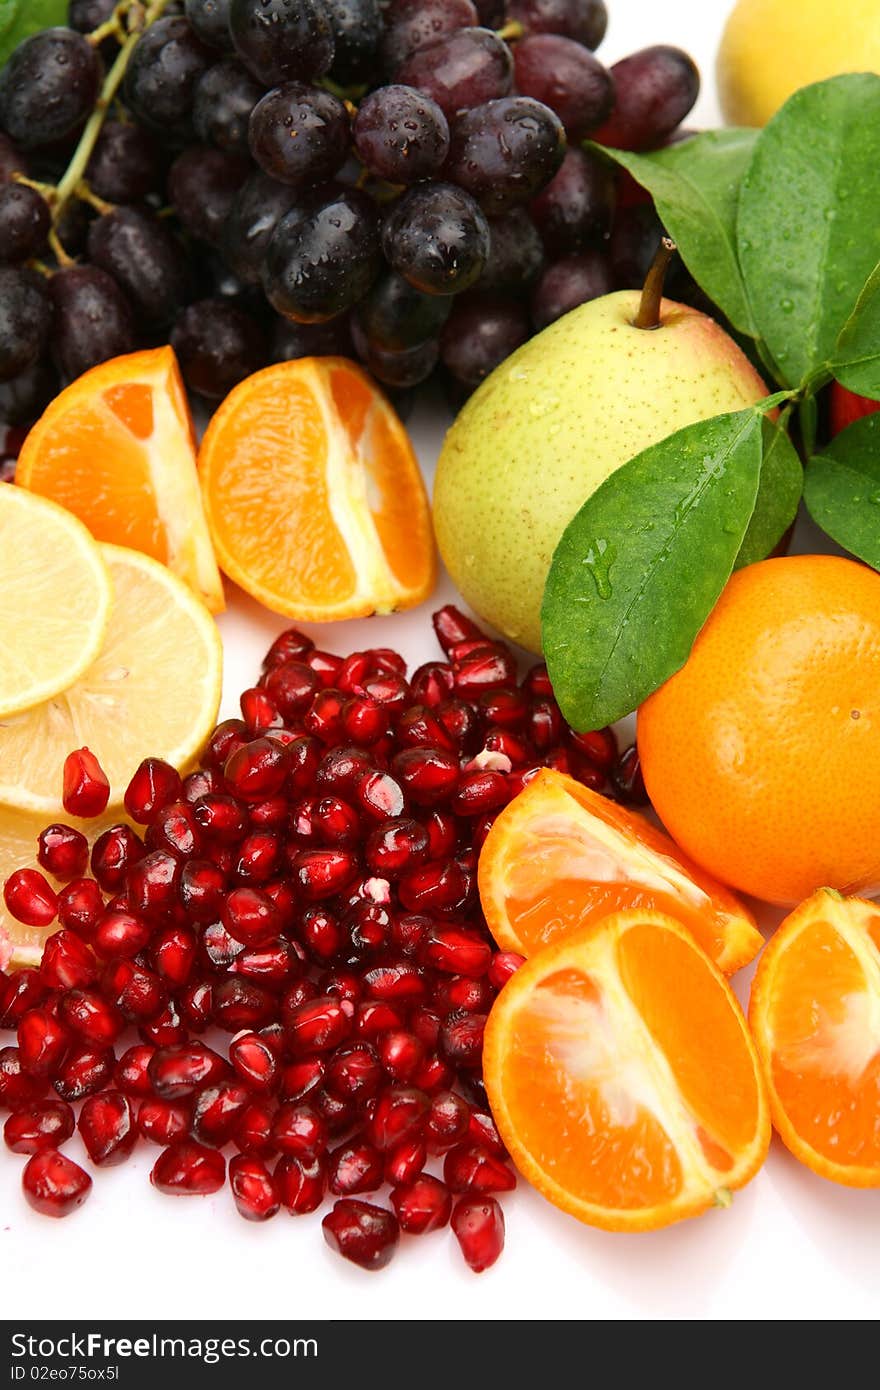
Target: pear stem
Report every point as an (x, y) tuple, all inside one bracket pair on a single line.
[(649, 308)]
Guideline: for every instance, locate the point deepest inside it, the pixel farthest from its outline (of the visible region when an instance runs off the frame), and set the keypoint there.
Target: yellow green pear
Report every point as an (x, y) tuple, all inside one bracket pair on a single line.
[(553, 422)]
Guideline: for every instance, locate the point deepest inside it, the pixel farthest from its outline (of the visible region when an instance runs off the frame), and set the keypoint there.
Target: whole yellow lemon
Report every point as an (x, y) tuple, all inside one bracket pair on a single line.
[(770, 48)]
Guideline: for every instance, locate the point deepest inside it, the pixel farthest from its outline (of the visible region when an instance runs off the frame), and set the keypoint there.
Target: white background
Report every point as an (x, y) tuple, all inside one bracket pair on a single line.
[(791, 1247)]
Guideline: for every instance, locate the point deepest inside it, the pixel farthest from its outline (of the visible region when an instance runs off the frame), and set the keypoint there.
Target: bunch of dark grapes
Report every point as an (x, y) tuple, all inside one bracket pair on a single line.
[(400, 180)]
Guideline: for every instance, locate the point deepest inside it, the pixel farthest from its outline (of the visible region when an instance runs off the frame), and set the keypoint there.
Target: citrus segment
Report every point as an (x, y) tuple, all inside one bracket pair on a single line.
[(117, 448), (314, 496), (154, 688), (560, 856), (622, 1076), (55, 597), (815, 1015)]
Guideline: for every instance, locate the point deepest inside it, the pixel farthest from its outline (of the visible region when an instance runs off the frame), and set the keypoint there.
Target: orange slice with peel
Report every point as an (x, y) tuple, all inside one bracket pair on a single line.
[(117, 449), (815, 1016), (560, 856), (623, 1078), (313, 494)]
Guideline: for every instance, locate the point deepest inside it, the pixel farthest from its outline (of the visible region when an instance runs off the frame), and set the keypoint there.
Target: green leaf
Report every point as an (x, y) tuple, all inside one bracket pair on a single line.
[(695, 186), (842, 489), (779, 492), (640, 567), (856, 361), (20, 18), (808, 230)]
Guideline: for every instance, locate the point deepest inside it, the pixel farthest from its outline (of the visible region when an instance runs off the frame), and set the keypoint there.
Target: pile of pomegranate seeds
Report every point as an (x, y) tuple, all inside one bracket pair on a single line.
[(310, 892)]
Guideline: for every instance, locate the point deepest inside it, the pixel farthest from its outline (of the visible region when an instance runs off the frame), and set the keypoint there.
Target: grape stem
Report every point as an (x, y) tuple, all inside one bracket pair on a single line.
[(112, 28), (139, 20), (510, 31), (648, 316)]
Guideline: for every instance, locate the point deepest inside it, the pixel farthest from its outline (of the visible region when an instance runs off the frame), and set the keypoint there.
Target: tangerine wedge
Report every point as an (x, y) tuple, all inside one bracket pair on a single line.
[(117, 449), (313, 494), (623, 1078), (815, 1016), (560, 856)]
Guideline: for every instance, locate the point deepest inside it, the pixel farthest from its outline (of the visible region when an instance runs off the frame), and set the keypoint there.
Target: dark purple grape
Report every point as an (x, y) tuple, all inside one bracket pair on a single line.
[(654, 90), (217, 345), (635, 238), (146, 260), (210, 20), (583, 20), (224, 98), (395, 316), (437, 237), (403, 369), (92, 319), (167, 62), (481, 332), (202, 185), (24, 397), (24, 222), (566, 77), (299, 134), (516, 253), (11, 160), (324, 254), (465, 69), (357, 29), (256, 209), (282, 40), (401, 135), (125, 165), (48, 87), (25, 316), (412, 24), (577, 204), (72, 227), (567, 283), (291, 340), (505, 151), (86, 15), (490, 13)]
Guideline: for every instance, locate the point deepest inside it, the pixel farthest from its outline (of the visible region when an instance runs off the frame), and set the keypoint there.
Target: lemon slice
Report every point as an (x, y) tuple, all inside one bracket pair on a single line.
[(55, 598), (154, 690)]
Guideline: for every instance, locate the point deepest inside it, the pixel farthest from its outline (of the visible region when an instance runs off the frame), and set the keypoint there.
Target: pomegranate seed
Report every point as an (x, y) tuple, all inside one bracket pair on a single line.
[(292, 686), (339, 769), (138, 994), (626, 778), (42, 1042), (241, 1004), (106, 1124), (436, 887), (153, 884), (271, 814), (364, 721), (379, 796), (434, 1075), (272, 965), (254, 1189), (321, 934), (401, 1055), (405, 1161), (419, 727), (599, 747), (219, 948), (335, 822), (196, 1004), (398, 1113), (408, 931), (461, 993), (29, 898), (427, 775), (62, 851), (220, 818), (324, 873), (365, 1234), (545, 724), (131, 1074), (425, 1023), (441, 829), (457, 951), (84, 1071), (301, 1182), (483, 1130), (504, 964), (250, 916), (480, 792), (120, 935), (166, 1028), (303, 758), (353, 1073), (254, 1061), (174, 954), (282, 895), (86, 789), (343, 984), (452, 627), (155, 783), (187, 1169), (300, 1130), (259, 711), (87, 1014), (175, 830), (397, 846), (257, 770), (18, 1089), (424, 1204), (326, 666), (536, 681), (113, 854), (253, 1129), (470, 1167), (44, 1126), (323, 719), (490, 667), (292, 645), (376, 1017), (80, 905), (461, 1038), (225, 739), (53, 1184), (203, 782), (67, 962), (396, 981), (479, 1229), (185, 1068), (447, 1122), (353, 1168), (317, 1026), (502, 744), (216, 1111), (432, 683), (559, 760), (301, 992), (163, 1121), (338, 1115)]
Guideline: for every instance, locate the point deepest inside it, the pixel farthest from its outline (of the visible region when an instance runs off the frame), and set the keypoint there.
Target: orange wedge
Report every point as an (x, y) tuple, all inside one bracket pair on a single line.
[(623, 1078), (815, 1016), (313, 493), (560, 856), (117, 449)]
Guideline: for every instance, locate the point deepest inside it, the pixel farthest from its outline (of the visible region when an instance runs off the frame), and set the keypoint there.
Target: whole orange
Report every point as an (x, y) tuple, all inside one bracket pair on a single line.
[(762, 754)]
